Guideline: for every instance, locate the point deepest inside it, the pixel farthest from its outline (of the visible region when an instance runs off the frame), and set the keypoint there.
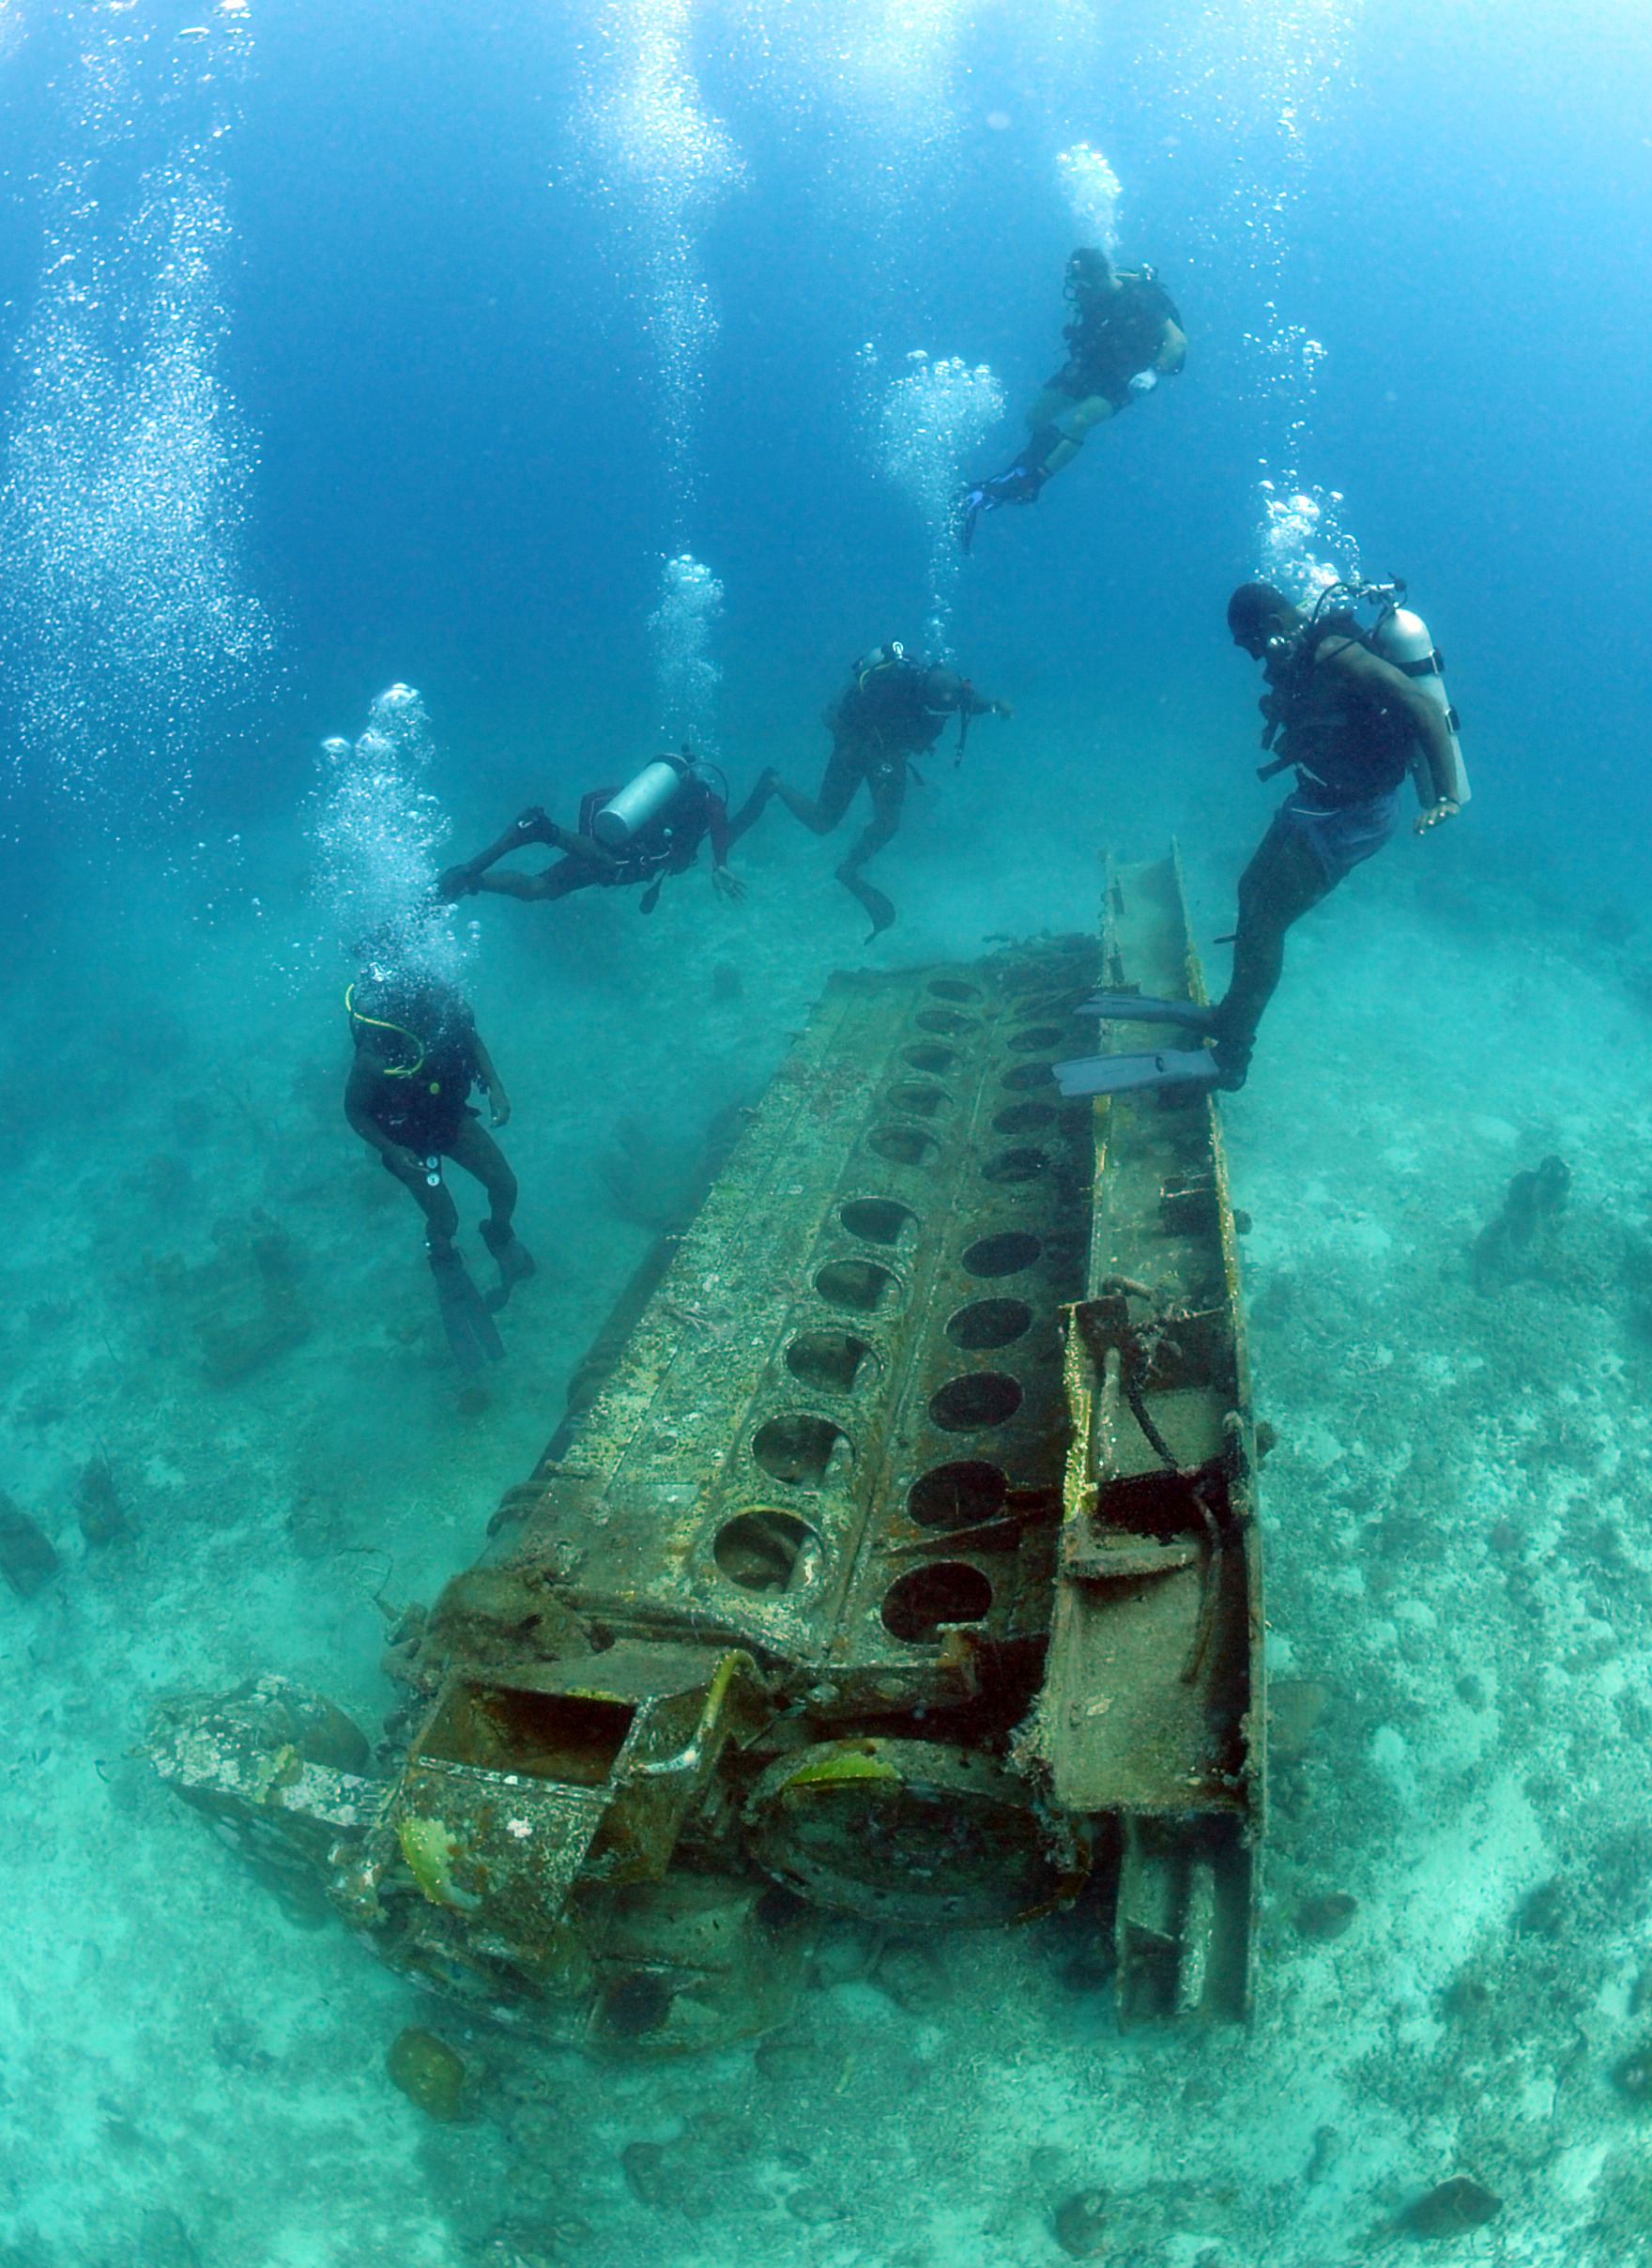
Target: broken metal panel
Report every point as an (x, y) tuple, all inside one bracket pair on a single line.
[(863, 1322), (1153, 1682)]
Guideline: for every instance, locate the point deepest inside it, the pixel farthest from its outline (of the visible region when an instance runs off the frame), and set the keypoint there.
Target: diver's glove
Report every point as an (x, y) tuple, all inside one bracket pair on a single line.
[(1144, 381)]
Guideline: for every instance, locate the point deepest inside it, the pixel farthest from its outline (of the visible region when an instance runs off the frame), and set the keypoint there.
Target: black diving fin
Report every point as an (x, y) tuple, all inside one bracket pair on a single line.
[(472, 1333), (878, 907), (1142, 1008), (1136, 1074)]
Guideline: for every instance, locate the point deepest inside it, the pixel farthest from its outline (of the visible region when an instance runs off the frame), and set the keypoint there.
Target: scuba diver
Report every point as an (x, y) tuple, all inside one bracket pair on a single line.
[(1125, 336), (1353, 710), (640, 833), (418, 1055), (895, 709)]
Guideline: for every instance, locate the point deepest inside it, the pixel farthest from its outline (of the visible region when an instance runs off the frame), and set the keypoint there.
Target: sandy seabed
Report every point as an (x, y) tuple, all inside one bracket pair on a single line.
[(1459, 1566)]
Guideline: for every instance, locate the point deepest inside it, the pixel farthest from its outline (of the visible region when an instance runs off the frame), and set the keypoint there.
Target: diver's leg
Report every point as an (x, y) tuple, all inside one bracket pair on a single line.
[(1285, 878), (756, 803), (844, 770), (567, 875), (533, 826), (441, 1214), (476, 1150), (1094, 411), (889, 795)]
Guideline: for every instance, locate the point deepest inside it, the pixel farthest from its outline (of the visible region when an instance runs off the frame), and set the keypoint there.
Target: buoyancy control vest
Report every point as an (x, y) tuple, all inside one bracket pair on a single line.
[(1342, 740), (423, 1039), (1116, 334)]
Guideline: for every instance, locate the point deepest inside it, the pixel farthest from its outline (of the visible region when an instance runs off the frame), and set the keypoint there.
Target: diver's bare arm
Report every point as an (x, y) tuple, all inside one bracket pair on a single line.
[(1173, 350), (1426, 718), (498, 1101)]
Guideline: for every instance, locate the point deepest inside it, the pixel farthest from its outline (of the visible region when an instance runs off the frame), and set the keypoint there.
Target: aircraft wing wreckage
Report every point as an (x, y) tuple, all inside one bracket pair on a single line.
[(900, 1561)]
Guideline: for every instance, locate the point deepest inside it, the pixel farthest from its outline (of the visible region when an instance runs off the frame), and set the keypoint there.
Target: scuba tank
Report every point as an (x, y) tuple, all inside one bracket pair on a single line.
[(638, 802), (1404, 640)]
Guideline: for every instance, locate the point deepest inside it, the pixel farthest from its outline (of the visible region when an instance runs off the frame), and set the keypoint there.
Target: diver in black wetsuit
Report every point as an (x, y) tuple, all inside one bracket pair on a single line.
[(892, 711), (418, 1055), (641, 833), (1125, 336), (1349, 723)]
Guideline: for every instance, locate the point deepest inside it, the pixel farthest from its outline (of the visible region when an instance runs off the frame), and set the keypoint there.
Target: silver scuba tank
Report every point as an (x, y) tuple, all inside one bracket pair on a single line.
[(638, 802), (1404, 639)]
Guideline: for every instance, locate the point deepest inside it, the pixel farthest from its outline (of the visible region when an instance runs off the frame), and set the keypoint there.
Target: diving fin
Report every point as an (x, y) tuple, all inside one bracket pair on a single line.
[(878, 907), (1142, 1008), (1138, 1074), (472, 1334)]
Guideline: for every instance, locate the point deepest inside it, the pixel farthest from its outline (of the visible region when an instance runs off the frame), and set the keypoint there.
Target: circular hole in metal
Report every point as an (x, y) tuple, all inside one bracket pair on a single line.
[(1027, 1075), (798, 1450), (1040, 1036), (1025, 1117), (877, 1220), (1016, 1165), (957, 1495), (950, 1590), (990, 1323), (767, 1550), (900, 1145), (831, 1360), (1003, 1255), (949, 987), (943, 1019), (937, 1062), (978, 1399), (921, 1102), (859, 1284)]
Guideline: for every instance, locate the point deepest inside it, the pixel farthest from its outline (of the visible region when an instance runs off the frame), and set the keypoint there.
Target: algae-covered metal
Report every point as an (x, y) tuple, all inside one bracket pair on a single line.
[(902, 1566)]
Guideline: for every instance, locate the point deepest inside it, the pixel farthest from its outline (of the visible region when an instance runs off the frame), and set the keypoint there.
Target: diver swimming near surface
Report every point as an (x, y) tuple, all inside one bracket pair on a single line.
[(1125, 335), (1353, 710), (418, 1055), (894, 709), (650, 828)]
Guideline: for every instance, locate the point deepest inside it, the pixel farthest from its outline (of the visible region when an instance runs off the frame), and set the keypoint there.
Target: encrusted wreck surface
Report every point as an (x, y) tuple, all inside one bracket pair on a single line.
[(903, 1564)]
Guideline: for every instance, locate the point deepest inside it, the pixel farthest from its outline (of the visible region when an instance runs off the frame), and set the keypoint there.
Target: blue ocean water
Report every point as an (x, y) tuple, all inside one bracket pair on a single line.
[(347, 349)]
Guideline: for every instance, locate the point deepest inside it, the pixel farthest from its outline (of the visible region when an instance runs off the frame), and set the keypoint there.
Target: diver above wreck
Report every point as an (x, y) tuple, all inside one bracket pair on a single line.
[(418, 1056), (650, 828)]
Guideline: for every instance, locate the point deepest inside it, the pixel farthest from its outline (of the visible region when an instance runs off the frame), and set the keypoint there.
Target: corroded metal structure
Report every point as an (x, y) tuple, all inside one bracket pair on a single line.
[(903, 1565)]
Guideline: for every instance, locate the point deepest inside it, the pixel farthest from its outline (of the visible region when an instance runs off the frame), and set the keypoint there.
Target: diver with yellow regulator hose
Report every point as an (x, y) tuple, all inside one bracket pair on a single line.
[(418, 1055)]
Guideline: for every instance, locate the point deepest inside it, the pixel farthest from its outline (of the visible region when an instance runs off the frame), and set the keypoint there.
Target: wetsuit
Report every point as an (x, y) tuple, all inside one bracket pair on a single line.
[(417, 1059), (668, 844), (1114, 335), (1351, 752), (878, 725)]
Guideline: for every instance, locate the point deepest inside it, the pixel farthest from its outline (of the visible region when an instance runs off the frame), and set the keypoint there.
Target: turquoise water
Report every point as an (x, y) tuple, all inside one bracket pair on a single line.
[(346, 351)]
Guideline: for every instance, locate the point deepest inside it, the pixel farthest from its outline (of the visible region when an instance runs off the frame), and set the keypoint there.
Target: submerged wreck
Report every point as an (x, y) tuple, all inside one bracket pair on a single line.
[(903, 1564)]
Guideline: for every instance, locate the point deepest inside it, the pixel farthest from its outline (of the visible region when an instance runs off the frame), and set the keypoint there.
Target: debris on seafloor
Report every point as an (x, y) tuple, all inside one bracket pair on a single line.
[(1081, 2225), (27, 1556), (102, 1516), (1328, 1917), (1532, 1198), (1632, 2075), (1451, 2209), (427, 2071)]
